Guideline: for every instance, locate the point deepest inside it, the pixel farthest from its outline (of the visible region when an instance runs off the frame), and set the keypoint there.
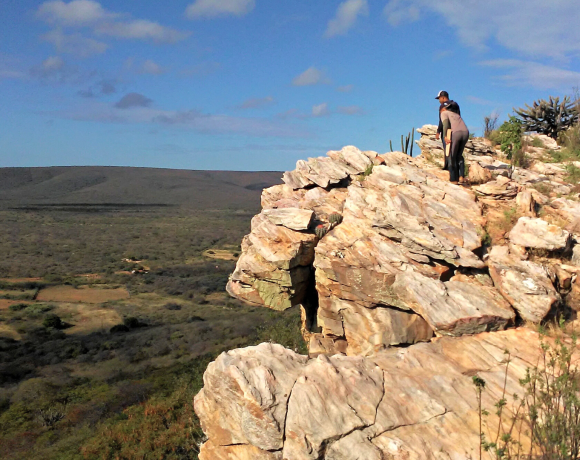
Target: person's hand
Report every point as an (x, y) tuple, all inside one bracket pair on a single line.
[(437, 136), (448, 141)]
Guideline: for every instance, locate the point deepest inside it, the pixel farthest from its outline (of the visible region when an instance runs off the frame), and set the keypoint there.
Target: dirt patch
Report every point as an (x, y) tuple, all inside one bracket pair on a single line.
[(222, 254), (83, 294), (21, 280), (87, 318), (5, 303)]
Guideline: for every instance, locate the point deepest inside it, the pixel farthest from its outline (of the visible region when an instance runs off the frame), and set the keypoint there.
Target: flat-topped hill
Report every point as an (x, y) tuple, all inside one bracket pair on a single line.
[(98, 185)]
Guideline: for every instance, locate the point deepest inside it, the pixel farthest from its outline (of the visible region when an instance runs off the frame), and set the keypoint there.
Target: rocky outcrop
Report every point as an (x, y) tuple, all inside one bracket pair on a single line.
[(267, 402), (406, 292)]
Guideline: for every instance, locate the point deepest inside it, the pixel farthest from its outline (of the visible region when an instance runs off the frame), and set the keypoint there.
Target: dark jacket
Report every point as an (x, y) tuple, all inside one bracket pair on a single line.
[(452, 106)]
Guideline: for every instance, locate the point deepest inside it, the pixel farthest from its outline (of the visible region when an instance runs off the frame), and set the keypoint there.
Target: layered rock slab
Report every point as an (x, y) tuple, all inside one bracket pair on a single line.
[(537, 233), (525, 284), (414, 403)]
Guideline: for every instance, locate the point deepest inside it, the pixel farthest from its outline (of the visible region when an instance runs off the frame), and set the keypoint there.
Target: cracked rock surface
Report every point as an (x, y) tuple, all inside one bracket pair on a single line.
[(416, 403)]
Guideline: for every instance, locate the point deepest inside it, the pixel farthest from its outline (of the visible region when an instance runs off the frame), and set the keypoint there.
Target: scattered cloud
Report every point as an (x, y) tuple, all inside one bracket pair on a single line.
[(350, 110), (320, 110), (201, 70), (133, 100), (311, 76), (398, 11), (194, 120), (346, 16), (256, 102), (152, 68), (554, 24), (103, 87), (141, 29), (215, 8), (12, 74), (74, 44), (534, 75), (345, 88), (75, 13), (54, 69), (88, 13)]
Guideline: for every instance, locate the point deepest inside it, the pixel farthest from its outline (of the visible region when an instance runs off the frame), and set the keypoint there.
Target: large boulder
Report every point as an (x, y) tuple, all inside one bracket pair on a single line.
[(268, 403), (537, 233)]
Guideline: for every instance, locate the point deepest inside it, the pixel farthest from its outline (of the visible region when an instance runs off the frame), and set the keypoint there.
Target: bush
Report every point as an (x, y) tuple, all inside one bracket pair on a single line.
[(172, 306), (118, 328), (510, 136), (549, 117), (133, 323), (18, 306), (53, 321), (490, 124)]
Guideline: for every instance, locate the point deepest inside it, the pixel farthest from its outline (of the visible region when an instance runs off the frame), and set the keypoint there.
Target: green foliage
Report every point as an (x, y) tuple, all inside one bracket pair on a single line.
[(285, 330), (573, 175), (18, 306), (510, 136), (53, 321), (549, 117), (537, 142), (406, 142)]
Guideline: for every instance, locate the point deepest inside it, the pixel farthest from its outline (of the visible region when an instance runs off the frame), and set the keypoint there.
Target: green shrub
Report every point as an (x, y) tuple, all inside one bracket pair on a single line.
[(18, 306), (53, 321), (510, 136), (537, 142)]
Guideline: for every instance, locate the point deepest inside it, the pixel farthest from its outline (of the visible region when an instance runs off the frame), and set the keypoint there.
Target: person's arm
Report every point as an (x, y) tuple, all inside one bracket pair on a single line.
[(445, 124), (439, 128)]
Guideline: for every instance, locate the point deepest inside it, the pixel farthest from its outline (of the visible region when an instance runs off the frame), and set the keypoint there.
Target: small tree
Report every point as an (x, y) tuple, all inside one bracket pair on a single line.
[(490, 124), (510, 136), (549, 117), (53, 321)]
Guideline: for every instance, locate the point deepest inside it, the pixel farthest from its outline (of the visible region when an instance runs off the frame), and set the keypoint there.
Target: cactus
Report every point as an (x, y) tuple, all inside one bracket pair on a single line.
[(407, 141), (320, 231), (335, 218), (549, 117)]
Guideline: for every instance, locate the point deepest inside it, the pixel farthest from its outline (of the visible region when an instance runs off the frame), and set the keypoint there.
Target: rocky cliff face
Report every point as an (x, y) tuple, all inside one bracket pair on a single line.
[(382, 251)]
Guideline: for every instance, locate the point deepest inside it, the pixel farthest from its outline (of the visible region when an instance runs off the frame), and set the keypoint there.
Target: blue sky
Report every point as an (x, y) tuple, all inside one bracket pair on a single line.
[(258, 84)]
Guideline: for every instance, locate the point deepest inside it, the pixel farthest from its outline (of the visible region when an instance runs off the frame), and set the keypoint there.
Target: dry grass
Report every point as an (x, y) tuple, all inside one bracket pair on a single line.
[(222, 254), (83, 294), (87, 318)]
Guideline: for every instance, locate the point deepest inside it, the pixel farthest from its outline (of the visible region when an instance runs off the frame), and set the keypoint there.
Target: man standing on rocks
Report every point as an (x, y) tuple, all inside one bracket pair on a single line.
[(459, 137), (443, 98)]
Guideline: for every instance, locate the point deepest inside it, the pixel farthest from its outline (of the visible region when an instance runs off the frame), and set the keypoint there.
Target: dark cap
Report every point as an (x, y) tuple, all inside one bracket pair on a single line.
[(442, 94)]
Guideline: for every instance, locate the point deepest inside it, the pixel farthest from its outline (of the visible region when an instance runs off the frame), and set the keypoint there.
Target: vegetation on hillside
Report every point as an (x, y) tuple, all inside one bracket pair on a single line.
[(115, 379)]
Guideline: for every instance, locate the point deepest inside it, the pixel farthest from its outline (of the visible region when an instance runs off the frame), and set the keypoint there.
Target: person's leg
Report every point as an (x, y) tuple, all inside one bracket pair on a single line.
[(462, 142), (458, 141)]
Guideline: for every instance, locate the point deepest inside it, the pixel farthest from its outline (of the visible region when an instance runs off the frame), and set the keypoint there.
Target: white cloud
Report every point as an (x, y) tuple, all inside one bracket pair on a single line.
[(256, 102), (533, 74), (75, 13), (88, 13), (52, 63), (74, 44), (320, 110), (346, 16), (132, 100), (54, 69), (536, 28), (141, 29), (480, 101), (311, 76), (152, 68), (214, 8)]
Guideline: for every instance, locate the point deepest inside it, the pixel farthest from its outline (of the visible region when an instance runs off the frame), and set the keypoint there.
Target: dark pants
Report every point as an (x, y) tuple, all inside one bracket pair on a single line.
[(456, 161)]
